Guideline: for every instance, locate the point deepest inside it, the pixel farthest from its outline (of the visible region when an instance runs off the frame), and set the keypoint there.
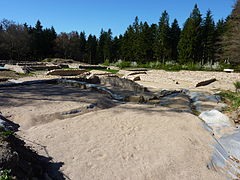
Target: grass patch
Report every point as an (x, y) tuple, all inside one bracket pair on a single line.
[(7, 133), (5, 175), (106, 70), (231, 98), (237, 85), (173, 66)]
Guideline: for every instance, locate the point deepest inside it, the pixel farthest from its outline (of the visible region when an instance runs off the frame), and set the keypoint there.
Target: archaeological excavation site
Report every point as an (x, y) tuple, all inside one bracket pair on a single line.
[(70, 120)]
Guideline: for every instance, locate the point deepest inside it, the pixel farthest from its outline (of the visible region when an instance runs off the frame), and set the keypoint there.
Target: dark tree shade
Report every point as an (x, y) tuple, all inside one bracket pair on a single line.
[(175, 32)]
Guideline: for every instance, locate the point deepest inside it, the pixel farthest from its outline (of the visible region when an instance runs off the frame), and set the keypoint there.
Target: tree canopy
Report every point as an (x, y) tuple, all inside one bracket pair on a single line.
[(200, 40)]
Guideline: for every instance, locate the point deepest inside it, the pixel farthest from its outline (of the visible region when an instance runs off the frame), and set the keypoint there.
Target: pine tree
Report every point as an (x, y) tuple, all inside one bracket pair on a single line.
[(91, 49), (190, 44), (104, 46), (116, 48), (127, 44), (82, 47), (219, 31), (208, 31), (175, 32), (231, 38), (162, 44), (146, 43)]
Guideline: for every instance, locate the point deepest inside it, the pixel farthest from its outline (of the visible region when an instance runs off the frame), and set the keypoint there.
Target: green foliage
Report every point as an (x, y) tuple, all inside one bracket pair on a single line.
[(162, 43), (230, 40), (233, 98), (237, 85), (106, 62), (199, 42), (175, 32), (208, 36), (6, 175), (123, 64), (171, 66), (190, 43), (106, 70), (7, 133)]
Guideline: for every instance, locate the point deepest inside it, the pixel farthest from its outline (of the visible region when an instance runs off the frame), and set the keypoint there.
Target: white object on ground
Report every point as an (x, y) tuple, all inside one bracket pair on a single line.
[(15, 81), (228, 70), (215, 118)]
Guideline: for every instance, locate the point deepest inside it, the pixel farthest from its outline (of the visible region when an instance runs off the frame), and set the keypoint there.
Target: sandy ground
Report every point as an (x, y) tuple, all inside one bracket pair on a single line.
[(126, 141), (42, 103), (160, 79)]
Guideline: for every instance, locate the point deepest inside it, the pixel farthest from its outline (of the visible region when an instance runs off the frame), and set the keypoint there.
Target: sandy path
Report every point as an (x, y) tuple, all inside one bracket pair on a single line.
[(128, 142)]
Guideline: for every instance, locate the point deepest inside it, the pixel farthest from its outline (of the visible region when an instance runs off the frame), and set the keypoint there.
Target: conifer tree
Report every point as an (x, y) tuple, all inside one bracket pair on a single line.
[(231, 38), (82, 47), (104, 46), (219, 31), (190, 44), (162, 44), (175, 32), (116, 48), (37, 40), (146, 43), (208, 37), (127, 44), (91, 49)]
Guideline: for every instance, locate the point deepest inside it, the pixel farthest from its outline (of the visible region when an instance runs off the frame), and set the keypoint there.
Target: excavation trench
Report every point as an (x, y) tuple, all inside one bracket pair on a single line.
[(100, 130)]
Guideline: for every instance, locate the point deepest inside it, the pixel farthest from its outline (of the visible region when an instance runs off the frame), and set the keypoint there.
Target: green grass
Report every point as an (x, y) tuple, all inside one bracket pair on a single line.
[(5, 175), (232, 98), (173, 66), (237, 85), (106, 70), (7, 133)]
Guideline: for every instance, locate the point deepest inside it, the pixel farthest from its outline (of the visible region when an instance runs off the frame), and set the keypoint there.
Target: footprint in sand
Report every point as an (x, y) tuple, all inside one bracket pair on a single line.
[(97, 154)]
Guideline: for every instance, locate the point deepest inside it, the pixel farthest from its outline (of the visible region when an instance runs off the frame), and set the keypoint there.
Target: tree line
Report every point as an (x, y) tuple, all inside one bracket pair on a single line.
[(200, 40)]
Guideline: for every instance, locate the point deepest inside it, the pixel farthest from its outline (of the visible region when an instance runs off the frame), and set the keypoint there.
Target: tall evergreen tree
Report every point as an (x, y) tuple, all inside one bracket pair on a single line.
[(162, 44), (231, 38), (219, 31), (208, 31), (175, 32), (37, 41), (190, 44), (82, 48), (146, 42), (91, 49), (49, 36), (104, 46), (116, 48), (127, 44)]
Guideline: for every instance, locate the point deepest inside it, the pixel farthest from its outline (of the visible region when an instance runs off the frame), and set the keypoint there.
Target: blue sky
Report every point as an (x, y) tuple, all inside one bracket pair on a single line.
[(92, 15)]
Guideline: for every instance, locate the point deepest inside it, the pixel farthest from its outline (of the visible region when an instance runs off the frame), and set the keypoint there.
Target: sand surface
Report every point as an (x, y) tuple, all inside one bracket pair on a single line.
[(160, 79), (125, 141)]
